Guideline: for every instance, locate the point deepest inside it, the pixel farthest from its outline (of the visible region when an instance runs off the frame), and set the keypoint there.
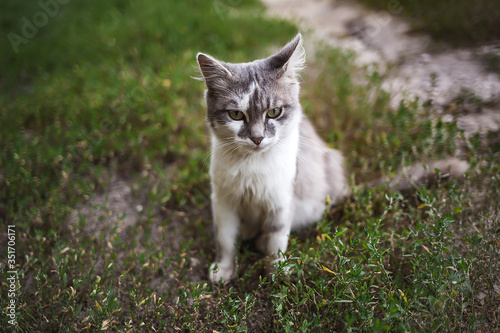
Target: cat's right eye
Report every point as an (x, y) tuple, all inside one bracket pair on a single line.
[(236, 115)]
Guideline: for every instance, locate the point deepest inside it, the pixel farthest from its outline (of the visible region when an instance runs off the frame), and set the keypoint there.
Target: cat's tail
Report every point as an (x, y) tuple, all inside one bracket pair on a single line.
[(417, 175)]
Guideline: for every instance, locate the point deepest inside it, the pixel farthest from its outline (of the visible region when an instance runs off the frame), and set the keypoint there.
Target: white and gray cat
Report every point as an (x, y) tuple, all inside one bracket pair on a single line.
[(270, 172)]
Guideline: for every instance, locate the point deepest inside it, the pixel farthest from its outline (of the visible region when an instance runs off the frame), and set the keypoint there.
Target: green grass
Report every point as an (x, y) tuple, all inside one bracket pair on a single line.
[(457, 22), (103, 92)]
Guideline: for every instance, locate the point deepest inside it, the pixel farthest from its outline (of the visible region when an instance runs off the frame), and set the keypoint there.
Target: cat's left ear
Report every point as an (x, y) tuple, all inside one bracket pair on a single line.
[(291, 58)]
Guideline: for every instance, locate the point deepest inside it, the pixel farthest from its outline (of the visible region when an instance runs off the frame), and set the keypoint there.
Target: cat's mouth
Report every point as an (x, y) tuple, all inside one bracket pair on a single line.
[(260, 148), (252, 148)]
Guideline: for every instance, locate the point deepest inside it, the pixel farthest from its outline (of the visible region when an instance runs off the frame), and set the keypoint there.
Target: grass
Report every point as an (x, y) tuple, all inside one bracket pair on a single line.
[(458, 22), (103, 93), (490, 61)]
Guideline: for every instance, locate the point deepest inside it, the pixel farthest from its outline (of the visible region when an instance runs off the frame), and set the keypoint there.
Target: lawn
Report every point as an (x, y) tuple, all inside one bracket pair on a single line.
[(102, 94)]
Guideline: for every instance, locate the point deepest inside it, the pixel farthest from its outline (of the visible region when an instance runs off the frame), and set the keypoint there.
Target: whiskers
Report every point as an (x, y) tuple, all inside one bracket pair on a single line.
[(313, 144), (231, 151), (228, 147)]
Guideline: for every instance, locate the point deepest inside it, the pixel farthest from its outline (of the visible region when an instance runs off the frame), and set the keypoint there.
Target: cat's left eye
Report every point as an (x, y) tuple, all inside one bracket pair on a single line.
[(274, 113)]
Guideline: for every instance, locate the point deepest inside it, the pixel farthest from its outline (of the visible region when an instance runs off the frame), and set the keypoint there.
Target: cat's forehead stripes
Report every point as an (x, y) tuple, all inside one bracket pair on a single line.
[(247, 96), (253, 88), (257, 88), (255, 102)]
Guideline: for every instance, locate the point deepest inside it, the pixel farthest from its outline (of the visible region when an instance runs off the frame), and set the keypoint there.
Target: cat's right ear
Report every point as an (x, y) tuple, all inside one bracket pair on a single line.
[(211, 68)]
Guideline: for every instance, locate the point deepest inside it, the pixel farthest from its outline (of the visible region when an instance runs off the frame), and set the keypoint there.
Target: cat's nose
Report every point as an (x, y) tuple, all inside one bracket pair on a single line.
[(257, 140)]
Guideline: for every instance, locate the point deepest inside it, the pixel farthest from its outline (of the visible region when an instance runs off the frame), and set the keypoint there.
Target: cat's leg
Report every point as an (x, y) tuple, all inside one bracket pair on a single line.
[(273, 241), (227, 226)]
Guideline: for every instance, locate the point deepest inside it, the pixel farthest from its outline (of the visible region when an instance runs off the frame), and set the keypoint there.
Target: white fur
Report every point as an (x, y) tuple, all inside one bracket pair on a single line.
[(251, 189), (245, 100), (297, 62)]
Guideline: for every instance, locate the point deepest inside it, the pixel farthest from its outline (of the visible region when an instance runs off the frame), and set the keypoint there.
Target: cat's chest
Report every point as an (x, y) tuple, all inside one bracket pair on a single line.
[(264, 179)]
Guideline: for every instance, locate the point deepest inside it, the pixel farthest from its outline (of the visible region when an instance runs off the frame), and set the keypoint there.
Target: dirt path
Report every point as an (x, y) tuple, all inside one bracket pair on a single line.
[(407, 61)]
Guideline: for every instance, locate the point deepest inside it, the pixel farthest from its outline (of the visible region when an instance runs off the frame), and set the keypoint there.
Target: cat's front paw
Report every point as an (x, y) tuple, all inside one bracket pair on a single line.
[(216, 272)]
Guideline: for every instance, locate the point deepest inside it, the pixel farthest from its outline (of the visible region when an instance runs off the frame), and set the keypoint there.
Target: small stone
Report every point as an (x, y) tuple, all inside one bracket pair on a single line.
[(425, 58), (193, 262), (447, 118)]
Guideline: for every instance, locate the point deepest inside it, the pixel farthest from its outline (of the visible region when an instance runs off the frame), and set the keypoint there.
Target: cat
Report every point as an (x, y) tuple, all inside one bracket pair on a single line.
[(270, 172)]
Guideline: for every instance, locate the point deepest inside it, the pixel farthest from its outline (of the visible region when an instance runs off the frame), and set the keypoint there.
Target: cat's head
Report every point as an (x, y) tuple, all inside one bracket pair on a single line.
[(254, 105)]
